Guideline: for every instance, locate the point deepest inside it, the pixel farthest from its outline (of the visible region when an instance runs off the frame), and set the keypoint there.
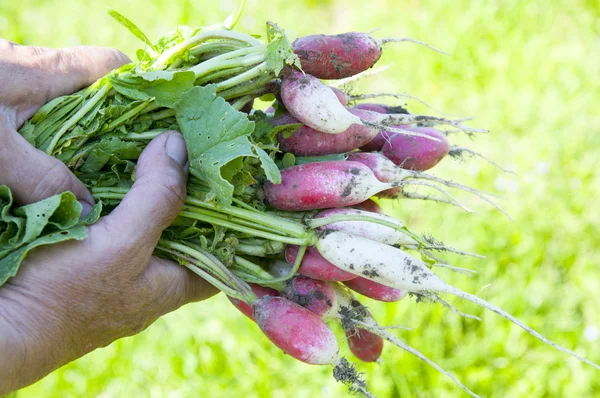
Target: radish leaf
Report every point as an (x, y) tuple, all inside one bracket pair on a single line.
[(216, 135)]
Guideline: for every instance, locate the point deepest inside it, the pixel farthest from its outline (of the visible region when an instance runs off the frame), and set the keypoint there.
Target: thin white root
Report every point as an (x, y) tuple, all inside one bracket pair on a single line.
[(466, 271), (442, 263), (414, 195), (443, 191), (434, 297), (366, 73), (398, 130), (360, 97), (402, 118), (372, 327), (458, 152), (408, 39), (504, 314)]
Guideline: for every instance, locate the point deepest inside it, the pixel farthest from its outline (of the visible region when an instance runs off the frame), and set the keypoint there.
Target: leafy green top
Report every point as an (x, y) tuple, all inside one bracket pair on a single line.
[(218, 139)]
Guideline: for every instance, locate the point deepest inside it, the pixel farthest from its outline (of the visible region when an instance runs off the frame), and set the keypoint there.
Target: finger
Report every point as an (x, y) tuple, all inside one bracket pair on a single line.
[(33, 76), (157, 195), (32, 175), (168, 286)]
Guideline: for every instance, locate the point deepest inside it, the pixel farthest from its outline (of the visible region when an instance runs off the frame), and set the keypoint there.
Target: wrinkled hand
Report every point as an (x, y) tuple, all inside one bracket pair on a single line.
[(73, 297), (29, 78)]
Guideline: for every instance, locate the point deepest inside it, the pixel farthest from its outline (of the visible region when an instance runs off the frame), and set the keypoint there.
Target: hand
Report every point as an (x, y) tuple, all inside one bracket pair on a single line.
[(71, 298), (29, 78)]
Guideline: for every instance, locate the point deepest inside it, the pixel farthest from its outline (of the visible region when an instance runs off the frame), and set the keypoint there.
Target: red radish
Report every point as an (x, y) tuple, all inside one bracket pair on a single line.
[(416, 153), (395, 268), (342, 55), (337, 56), (369, 230), (296, 331), (321, 185), (314, 104), (370, 206), (315, 266), (365, 345), (316, 296), (309, 142), (260, 291), (375, 290)]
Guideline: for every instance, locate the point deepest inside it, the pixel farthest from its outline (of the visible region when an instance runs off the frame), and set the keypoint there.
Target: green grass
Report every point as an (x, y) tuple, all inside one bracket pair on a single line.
[(526, 70)]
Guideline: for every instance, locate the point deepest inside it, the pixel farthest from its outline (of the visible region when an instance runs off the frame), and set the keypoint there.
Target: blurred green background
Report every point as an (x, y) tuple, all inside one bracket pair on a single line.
[(530, 72)]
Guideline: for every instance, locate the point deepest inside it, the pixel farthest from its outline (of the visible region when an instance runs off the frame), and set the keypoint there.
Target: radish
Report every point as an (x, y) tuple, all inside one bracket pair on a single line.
[(416, 153), (375, 291), (365, 345), (315, 104), (342, 55), (296, 331), (394, 268), (315, 266), (321, 185), (307, 141), (260, 291), (369, 230), (316, 296)]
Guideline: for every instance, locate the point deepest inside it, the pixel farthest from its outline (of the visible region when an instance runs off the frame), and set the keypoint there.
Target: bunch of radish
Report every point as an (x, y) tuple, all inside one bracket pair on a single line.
[(290, 249)]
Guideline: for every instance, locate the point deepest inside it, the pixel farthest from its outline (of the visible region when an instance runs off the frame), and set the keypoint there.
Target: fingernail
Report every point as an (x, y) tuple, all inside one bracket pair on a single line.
[(175, 147), (86, 208)]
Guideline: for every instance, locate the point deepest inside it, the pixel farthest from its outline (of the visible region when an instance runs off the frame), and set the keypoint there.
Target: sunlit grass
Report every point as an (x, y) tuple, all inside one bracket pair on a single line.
[(529, 71)]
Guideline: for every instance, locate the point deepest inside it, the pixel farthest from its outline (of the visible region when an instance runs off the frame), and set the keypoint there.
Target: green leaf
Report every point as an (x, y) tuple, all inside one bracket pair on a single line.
[(216, 134), (279, 50), (110, 150), (9, 265), (93, 216), (130, 26), (166, 87), (61, 211), (52, 220)]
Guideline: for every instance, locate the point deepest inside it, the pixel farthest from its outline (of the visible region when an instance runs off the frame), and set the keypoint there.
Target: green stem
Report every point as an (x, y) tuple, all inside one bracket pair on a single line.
[(298, 232), (162, 114), (196, 267), (286, 226), (247, 295), (260, 250), (126, 116), (99, 96), (145, 136), (296, 266), (239, 103), (243, 229), (257, 71), (165, 57), (220, 74), (225, 61), (217, 46), (228, 217)]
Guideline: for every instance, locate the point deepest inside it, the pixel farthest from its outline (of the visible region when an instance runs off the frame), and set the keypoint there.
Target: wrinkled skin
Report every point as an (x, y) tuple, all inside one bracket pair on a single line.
[(71, 298)]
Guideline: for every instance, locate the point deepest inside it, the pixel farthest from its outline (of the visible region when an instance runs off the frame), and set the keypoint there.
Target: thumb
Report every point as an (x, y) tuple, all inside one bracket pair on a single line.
[(157, 195)]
